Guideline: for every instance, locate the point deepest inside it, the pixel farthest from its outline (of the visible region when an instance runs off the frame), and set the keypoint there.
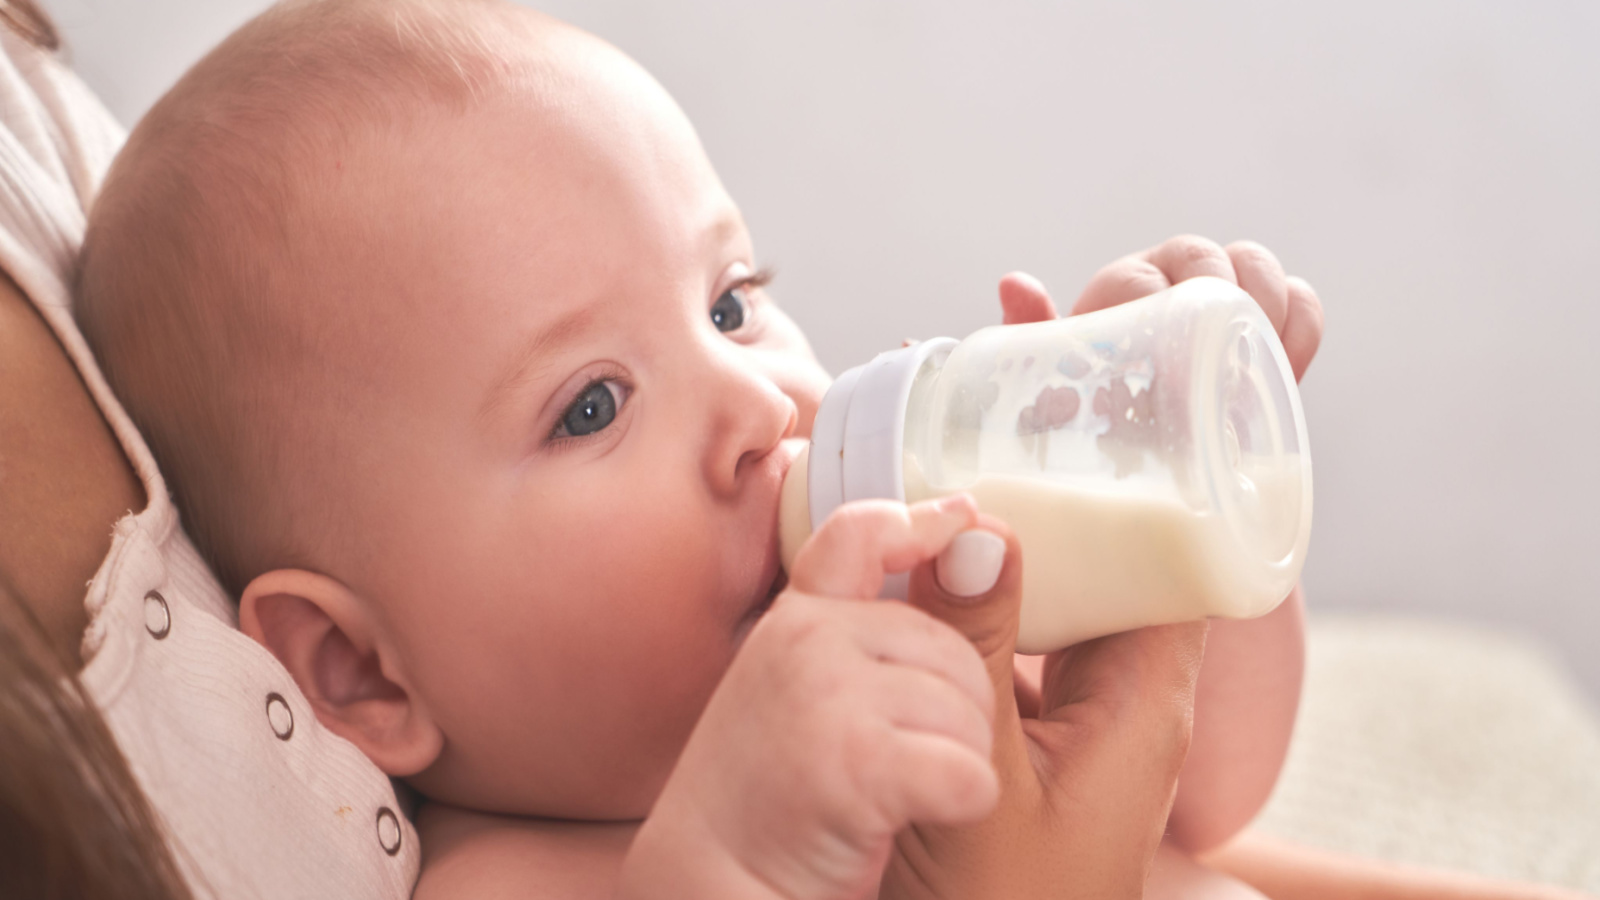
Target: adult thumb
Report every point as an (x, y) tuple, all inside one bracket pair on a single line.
[(975, 586)]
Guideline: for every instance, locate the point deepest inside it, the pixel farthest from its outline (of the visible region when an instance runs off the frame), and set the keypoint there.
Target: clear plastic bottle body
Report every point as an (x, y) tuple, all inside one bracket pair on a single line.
[(1152, 459)]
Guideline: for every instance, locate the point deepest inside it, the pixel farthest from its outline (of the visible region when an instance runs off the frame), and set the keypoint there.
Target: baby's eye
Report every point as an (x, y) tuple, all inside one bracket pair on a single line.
[(728, 312), (592, 411)]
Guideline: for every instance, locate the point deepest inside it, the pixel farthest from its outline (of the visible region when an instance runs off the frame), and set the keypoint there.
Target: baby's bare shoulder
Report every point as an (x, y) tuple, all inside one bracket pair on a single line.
[(492, 857)]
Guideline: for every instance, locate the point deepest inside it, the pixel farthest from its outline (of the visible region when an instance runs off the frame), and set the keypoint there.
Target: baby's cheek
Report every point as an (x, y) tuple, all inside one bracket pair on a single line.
[(667, 643), (803, 381)]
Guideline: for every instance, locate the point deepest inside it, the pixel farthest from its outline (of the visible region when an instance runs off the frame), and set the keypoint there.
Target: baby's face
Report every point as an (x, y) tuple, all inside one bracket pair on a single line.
[(566, 413)]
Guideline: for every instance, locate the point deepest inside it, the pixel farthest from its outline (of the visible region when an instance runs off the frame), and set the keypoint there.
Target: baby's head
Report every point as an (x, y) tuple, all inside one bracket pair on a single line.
[(453, 349)]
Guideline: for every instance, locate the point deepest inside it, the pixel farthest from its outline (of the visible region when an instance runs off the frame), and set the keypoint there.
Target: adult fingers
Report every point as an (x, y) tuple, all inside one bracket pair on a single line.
[(1024, 299), (983, 604), (864, 540), (1262, 277), (1302, 333), (975, 587)]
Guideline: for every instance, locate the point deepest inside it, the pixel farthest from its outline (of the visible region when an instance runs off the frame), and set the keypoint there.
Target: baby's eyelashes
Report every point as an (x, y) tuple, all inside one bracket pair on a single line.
[(733, 308)]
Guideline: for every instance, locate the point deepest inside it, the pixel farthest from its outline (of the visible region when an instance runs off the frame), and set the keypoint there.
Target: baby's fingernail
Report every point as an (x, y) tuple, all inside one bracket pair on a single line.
[(971, 564), (954, 502)]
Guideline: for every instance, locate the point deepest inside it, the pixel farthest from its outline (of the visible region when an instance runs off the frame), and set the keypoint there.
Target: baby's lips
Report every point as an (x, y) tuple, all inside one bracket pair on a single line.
[(794, 449)]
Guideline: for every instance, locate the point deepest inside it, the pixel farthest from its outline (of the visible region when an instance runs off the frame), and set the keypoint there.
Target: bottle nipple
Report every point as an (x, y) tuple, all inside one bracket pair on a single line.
[(794, 510)]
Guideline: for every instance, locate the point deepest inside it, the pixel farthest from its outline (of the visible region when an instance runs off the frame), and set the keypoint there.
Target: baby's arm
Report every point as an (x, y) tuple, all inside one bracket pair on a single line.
[(1244, 710), (1249, 687), (1287, 871)]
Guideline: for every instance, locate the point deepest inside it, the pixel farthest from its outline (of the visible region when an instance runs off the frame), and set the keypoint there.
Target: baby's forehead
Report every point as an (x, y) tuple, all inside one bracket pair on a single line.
[(561, 137), (516, 221), (452, 182)]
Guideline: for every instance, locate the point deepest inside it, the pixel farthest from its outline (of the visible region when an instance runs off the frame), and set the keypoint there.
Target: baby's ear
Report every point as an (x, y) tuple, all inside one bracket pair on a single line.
[(332, 646)]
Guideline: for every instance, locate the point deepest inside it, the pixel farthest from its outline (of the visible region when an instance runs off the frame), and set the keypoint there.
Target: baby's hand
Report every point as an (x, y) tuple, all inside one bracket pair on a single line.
[(1289, 302), (841, 720)]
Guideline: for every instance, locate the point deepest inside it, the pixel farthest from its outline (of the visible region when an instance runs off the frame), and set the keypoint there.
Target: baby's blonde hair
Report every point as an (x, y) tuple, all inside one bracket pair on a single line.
[(189, 288)]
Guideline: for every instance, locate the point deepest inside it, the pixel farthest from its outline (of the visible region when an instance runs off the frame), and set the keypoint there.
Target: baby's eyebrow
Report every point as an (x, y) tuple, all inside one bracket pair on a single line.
[(529, 362)]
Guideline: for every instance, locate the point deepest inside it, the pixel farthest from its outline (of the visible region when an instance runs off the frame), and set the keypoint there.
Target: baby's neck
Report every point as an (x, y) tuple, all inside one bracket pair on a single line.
[(466, 851)]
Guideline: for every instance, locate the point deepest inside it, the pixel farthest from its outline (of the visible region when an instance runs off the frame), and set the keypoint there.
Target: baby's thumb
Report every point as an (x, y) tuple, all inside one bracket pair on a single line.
[(975, 586)]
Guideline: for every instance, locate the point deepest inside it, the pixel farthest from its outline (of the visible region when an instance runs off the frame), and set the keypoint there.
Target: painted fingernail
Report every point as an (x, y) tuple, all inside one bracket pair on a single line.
[(971, 564)]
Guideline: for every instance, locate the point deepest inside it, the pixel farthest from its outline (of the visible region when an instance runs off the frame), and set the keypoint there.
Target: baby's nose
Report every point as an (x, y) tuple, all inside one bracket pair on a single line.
[(749, 421)]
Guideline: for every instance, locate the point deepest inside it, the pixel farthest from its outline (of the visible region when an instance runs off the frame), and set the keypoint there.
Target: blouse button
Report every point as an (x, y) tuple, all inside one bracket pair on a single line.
[(388, 831), (157, 618), (279, 716)]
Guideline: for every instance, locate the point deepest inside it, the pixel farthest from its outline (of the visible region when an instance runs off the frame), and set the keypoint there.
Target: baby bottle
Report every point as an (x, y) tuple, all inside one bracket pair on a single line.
[(1151, 457)]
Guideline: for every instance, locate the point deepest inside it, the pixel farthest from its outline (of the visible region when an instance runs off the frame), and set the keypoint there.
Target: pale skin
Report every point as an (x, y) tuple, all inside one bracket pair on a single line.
[(570, 858), (699, 709), (549, 535)]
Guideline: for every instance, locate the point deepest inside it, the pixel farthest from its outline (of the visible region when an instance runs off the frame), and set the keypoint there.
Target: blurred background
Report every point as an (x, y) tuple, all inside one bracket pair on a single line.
[(1431, 167)]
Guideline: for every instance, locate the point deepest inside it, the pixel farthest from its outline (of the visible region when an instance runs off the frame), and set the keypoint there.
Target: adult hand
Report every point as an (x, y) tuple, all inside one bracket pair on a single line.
[(1087, 766)]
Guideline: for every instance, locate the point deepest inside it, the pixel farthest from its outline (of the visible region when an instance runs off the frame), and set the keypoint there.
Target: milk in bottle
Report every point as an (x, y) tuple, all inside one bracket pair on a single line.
[(1151, 458)]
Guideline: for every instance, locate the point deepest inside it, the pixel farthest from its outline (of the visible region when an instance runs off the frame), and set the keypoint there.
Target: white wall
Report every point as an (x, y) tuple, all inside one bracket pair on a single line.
[(1430, 166)]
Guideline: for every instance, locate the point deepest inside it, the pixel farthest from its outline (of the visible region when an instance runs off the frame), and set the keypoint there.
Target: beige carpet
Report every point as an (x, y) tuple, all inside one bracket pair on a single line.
[(1443, 744)]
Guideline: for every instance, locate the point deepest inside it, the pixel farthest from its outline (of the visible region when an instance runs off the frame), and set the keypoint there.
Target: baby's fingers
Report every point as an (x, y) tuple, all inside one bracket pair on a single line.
[(898, 635), (1302, 333), (865, 540), (1024, 299), (918, 700), (1129, 278), (1156, 269), (1191, 256), (931, 779), (1262, 277)]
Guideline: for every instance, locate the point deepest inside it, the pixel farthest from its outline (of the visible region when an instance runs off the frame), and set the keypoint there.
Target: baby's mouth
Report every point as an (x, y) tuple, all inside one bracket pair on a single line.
[(785, 455)]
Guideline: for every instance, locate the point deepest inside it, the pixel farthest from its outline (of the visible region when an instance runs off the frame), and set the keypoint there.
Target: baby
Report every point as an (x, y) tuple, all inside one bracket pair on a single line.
[(458, 358)]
